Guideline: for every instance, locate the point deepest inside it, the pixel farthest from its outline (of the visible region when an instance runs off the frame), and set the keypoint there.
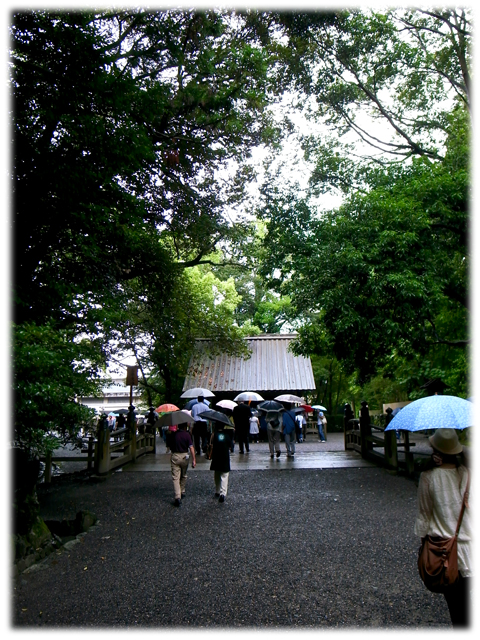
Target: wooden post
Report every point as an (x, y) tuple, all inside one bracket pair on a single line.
[(391, 454), (48, 468), (365, 430), (102, 453), (90, 453), (409, 465), (132, 430), (132, 379), (347, 425), (150, 428)]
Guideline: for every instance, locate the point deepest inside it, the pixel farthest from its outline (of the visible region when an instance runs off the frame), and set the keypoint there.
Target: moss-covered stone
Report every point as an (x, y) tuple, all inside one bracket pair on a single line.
[(84, 520), (40, 534)]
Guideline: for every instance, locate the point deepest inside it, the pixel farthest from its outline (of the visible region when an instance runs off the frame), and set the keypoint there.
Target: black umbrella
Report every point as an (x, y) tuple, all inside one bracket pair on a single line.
[(270, 405), (297, 410), (215, 416), (174, 418)]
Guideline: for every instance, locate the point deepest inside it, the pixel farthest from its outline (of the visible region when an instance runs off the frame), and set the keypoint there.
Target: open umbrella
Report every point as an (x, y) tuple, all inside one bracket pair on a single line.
[(318, 407), (307, 408), (125, 412), (173, 418), (245, 396), (289, 397), (215, 416), (163, 408), (197, 391), (270, 405), (297, 410), (227, 404), (434, 412)]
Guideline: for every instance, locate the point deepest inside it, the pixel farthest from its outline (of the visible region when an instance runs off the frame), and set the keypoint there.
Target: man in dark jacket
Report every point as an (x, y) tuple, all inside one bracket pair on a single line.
[(181, 445), (241, 418), (222, 445)]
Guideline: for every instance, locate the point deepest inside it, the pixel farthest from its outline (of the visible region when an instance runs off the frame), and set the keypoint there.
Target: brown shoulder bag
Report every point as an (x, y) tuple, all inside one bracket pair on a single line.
[(209, 452), (438, 559)]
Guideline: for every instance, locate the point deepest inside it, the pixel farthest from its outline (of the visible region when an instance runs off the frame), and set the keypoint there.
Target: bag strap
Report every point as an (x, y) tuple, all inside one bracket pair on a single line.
[(464, 502)]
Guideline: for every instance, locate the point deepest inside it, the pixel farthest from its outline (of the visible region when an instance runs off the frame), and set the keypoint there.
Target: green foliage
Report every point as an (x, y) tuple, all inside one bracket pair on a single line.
[(386, 273), (52, 369), (122, 123), (162, 334)]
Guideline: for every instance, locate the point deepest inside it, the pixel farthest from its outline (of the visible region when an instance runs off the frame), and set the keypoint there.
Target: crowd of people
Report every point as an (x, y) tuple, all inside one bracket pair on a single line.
[(241, 427)]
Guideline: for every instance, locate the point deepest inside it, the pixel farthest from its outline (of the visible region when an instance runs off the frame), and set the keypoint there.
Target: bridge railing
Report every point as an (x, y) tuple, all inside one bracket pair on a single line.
[(381, 447), (108, 450)]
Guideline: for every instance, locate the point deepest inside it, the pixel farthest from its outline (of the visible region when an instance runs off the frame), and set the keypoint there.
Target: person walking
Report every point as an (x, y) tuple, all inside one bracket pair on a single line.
[(241, 417), (439, 500), (200, 426), (321, 421), (121, 423), (220, 465), (254, 429), (289, 432), (299, 427), (181, 444), (111, 422), (263, 435), (304, 427), (274, 429)]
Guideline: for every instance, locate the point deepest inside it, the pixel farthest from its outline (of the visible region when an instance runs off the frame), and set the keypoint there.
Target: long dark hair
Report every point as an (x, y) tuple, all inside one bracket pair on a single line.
[(447, 458)]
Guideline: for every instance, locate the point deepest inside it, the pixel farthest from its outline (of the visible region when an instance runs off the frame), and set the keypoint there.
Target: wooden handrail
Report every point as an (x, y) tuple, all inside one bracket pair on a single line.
[(363, 441), (100, 449)]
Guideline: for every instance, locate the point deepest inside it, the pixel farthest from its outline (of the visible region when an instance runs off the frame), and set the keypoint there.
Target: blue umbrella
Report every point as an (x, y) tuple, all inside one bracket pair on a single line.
[(434, 412)]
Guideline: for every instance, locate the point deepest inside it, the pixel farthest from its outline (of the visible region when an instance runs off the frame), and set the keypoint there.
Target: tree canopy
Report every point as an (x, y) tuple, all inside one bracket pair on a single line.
[(386, 274), (123, 122), (132, 139)]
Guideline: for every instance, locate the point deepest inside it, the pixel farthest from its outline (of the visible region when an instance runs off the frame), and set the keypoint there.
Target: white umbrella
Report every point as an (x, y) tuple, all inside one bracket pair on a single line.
[(248, 395), (196, 392), (227, 404), (289, 397), (318, 407)]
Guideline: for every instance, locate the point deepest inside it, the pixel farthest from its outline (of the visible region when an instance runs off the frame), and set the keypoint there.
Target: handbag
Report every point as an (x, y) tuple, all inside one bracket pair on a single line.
[(208, 455), (438, 559)]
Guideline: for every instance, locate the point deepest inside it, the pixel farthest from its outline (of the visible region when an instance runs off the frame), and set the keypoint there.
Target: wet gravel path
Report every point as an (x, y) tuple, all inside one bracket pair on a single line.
[(301, 548)]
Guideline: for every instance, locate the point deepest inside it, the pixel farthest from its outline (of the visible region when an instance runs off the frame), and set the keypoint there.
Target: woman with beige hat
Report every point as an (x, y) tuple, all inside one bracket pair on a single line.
[(440, 496)]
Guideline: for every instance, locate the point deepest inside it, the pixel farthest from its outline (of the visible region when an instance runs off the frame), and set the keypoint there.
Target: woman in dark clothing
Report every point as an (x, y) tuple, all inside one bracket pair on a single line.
[(222, 445)]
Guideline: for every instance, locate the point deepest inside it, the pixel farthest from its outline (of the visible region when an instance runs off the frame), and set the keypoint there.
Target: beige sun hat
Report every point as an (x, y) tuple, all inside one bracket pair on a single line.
[(446, 441)]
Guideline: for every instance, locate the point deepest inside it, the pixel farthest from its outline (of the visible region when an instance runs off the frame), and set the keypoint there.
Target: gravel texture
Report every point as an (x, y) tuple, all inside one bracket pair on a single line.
[(302, 548)]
